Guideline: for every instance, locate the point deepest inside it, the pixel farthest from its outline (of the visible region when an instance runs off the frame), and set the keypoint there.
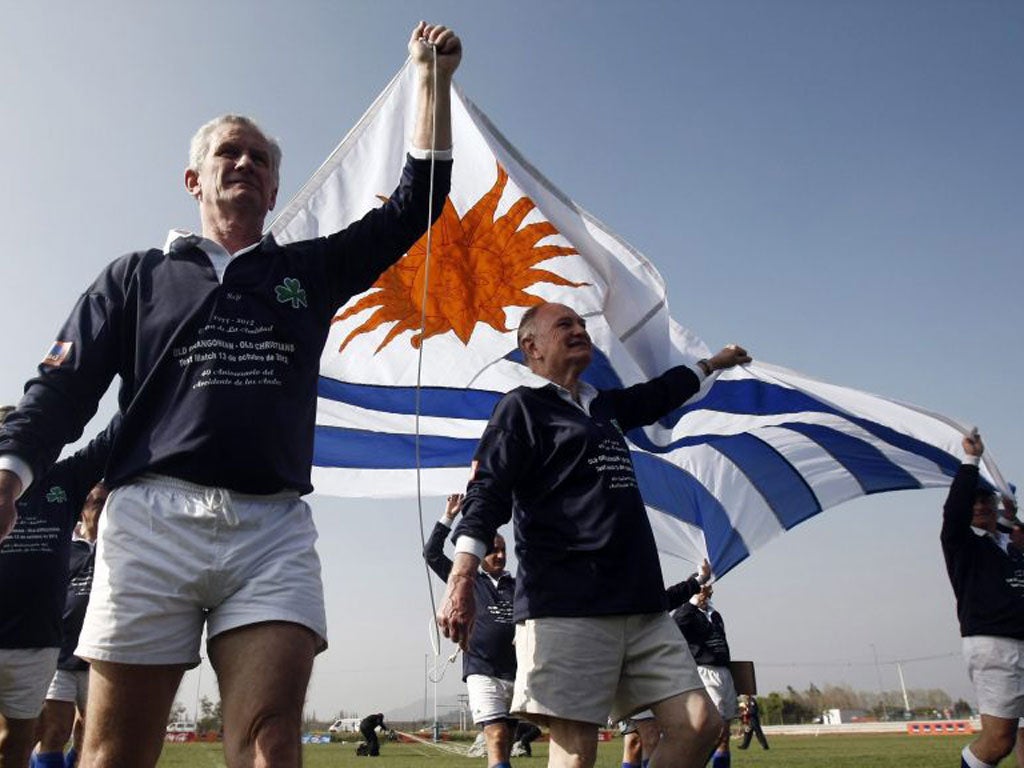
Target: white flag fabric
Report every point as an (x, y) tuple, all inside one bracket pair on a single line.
[(757, 451)]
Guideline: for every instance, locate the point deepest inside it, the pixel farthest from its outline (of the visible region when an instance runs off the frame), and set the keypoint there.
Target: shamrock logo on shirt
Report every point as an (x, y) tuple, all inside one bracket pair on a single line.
[(291, 291), (56, 495)]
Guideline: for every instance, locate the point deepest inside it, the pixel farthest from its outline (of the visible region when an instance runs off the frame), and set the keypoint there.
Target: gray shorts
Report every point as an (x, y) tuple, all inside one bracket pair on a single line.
[(71, 686), (24, 675), (720, 687), (172, 556), (588, 669), (996, 668)]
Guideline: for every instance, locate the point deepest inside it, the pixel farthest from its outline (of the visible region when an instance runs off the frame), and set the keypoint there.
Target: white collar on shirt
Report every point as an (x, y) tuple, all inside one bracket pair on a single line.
[(217, 253), (587, 393)]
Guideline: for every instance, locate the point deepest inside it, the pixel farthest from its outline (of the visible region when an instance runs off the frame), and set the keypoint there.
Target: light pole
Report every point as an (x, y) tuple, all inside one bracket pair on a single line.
[(881, 692)]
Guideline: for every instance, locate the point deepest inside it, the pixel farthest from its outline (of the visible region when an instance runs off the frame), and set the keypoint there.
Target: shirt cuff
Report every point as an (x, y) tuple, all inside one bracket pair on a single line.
[(471, 546), (445, 521), (418, 153), (972, 460), (697, 370), (19, 467)]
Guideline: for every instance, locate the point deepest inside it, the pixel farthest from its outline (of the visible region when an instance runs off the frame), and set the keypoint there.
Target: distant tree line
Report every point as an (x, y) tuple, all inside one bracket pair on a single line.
[(795, 707)]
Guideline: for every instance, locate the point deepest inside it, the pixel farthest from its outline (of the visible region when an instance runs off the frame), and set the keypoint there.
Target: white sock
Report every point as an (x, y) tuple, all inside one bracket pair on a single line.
[(972, 761)]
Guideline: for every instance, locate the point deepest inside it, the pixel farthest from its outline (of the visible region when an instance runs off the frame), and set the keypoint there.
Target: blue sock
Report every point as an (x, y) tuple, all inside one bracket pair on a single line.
[(628, 765), (71, 758), (506, 764), (48, 760), (644, 762), (721, 760)]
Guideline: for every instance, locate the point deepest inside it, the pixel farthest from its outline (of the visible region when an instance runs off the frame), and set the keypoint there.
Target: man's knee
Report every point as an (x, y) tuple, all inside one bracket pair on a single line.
[(693, 718)]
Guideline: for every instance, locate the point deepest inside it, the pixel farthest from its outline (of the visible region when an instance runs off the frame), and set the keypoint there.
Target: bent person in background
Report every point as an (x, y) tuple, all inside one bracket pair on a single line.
[(215, 451)]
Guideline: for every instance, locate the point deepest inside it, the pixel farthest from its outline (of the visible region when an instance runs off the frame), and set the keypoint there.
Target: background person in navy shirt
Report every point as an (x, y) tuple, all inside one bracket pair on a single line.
[(489, 663)]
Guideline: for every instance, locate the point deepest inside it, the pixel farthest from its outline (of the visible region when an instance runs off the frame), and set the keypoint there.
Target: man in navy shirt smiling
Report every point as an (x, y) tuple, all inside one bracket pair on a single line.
[(592, 636)]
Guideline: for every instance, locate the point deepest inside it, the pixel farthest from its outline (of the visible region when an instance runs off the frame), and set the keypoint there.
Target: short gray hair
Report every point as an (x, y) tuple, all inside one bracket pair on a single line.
[(200, 146), (527, 325)]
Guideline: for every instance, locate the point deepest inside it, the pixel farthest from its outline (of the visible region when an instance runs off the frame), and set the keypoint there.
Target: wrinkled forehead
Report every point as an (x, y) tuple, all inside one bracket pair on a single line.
[(551, 313), (239, 133)]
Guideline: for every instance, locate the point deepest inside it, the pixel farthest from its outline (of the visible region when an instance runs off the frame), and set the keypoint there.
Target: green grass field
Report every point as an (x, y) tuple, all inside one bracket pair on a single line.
[(860, 751)]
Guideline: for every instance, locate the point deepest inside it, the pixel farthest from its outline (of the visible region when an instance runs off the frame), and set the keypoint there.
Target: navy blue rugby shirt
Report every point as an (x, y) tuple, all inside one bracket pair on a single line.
[(218, 376), (34, 558), (565, 476), (987, 579)]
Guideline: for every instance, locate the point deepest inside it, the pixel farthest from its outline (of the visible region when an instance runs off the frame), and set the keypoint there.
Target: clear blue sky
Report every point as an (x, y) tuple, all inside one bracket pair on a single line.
[(836, 185)]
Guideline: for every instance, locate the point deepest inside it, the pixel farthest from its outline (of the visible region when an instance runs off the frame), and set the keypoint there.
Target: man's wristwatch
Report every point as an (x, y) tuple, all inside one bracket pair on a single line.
[(705, 366)]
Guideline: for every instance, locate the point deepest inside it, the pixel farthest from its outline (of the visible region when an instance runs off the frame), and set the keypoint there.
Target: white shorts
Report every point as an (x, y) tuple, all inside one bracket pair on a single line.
[(589, 668), (24, 675), (172, 555), (489, 698), (720, 687), (996, 668), (70, 685)]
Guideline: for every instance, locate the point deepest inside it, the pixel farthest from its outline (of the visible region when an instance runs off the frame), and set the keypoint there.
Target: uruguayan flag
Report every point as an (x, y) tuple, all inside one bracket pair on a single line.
[(757, 451)]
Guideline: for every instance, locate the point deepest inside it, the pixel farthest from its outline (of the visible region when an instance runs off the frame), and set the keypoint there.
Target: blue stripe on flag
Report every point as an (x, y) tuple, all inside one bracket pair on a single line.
[(676, 492), (442, 402), (869, 466), (775, 478), (361, 449), (947, 462)]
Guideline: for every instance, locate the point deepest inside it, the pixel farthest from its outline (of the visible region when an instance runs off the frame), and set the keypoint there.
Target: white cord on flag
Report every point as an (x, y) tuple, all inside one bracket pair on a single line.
[(436, 634)]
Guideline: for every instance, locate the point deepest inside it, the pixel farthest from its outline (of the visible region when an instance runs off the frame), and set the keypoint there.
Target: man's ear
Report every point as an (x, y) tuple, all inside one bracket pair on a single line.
[(530, 348), (273, 199), (194, 187)]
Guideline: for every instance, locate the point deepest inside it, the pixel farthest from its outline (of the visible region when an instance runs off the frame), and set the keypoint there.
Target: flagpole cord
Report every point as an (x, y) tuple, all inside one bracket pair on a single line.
[(436, 638)]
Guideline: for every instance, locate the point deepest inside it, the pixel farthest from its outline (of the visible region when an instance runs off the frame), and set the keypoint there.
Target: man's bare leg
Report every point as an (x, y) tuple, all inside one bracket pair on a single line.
[(55, 724), (573, 743), (690, 726), (499, 742), (650, 735), (17, 736), (127, 713), (263, 671), (996, 741)]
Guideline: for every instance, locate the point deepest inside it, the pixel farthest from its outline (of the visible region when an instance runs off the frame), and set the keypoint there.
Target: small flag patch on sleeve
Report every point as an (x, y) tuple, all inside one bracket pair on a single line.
[(58, 353)]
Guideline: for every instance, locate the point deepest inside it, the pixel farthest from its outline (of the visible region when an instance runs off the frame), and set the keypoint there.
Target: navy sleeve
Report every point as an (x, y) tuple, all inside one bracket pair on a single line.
[(434, 554), (648, 401), (63, 396), (361, 252), (959, 508), (679, 593), (501, 458)]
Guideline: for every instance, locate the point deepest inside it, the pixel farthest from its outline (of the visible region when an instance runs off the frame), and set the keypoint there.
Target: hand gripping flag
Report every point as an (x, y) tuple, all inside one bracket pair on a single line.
[(753, 454)]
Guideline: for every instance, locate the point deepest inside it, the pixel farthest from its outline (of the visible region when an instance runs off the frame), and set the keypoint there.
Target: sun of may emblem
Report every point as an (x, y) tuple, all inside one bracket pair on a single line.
[(291, 290), (479, 266)]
